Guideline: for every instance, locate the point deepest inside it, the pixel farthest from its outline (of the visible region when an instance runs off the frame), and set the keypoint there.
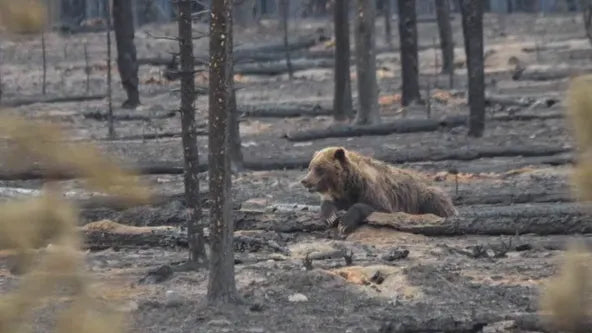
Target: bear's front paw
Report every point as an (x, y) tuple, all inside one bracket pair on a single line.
[(347, 226), (332, 220)]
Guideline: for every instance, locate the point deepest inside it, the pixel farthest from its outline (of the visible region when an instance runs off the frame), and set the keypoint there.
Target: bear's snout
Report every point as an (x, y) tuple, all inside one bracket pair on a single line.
[(305, 182)]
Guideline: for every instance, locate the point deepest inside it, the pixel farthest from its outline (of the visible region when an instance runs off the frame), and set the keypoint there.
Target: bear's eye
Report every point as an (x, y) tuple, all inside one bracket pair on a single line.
[(319, 170)]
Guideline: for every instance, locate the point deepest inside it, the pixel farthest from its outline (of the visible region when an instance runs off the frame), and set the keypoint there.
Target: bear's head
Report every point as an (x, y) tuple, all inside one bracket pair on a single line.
[(326, 170)]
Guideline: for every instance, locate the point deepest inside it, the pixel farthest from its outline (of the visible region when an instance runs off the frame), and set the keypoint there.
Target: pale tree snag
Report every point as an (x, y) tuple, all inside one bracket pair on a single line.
[(234, 140), (408, 47), (285, 13), (587, 15), (44, 59), (388, 13), (368, 112), (109, 90), (127, 64), (197, 253), (221, 283), (342, 98), (445, 34), (472, 23)]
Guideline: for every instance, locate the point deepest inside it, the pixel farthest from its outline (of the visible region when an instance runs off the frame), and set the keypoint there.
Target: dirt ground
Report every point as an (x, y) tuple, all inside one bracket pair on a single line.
[(437, 286)]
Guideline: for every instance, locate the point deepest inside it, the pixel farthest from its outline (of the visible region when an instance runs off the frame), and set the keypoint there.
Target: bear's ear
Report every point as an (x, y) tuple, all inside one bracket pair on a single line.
[(340, 155)]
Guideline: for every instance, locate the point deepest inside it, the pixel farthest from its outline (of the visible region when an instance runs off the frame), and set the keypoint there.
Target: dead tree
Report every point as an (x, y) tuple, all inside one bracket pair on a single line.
[(342, 96), (234, 140), (221, 283), (109, 91), (44, 59), (285, 13), (587, 13), (368, 112), (127, 64), (472, 23), (445, 34), (388, 13), (408, 49), (195, 236)]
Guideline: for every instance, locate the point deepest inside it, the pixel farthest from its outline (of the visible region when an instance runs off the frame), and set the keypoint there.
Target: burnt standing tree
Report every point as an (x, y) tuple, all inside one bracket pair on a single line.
[(445, 34), (285, 15), (472, 25), (236, 155), (408, 46), (587, 15), (388, 13), (197, 255), (368, 112), (127, 64), (221, 283), (342, 96)]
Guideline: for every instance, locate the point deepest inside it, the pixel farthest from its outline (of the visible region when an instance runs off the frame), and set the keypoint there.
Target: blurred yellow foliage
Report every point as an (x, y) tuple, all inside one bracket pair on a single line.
[(566, 298), (23, 16), (49, 221)]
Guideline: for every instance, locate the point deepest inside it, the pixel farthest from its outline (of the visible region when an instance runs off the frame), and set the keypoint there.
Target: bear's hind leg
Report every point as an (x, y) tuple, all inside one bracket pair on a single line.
[(354, 217)]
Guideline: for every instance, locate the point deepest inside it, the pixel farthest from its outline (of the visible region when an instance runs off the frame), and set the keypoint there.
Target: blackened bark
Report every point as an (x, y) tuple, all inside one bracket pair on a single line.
[(44, 63), (234, 140), (472, 23), (285, 13), (408, 42), (342, 98), (123, 23), (445, 33), (221, 283), (195, 235), (587, 15), (388, 13), (368, 112), (109, 88)]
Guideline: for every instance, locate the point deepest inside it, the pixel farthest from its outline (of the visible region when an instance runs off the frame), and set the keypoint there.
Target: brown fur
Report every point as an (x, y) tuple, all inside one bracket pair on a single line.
[(347, 177)]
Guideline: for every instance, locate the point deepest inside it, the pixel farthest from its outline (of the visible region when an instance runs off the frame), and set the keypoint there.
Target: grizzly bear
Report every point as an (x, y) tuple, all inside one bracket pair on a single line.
[(360, 185)]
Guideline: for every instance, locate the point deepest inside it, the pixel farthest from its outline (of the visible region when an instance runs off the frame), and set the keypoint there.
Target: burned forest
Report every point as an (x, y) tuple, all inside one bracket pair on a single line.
[(295, 166)]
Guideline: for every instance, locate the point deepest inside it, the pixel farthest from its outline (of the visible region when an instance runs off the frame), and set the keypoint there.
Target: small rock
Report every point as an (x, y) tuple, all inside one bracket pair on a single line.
[(158, 275), (377, 277), (396, 254), (256, 307), (173, 298), (219, 322), (298, 298), (499, 327)]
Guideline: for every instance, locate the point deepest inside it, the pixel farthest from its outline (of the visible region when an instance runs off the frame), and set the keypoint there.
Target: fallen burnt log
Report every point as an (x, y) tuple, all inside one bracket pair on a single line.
[(280, 67), (107, 234), (154, 136), (129, 115), (512, 197), (62, 99), (283, 111), (547, 74), (274, 163), (540, 219), (520, 102), (399, 126)]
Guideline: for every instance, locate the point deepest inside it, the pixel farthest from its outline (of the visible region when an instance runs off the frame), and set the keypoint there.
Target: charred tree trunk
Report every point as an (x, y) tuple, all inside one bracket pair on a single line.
[(109, 90), (285, 13), (197, 254), (445, 33), (123, 23), (43, 84), (234, 140), (221, 284), (408, 42), (587, 15), (368, 112), (388, 13), (472, 23), (342, 97)]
